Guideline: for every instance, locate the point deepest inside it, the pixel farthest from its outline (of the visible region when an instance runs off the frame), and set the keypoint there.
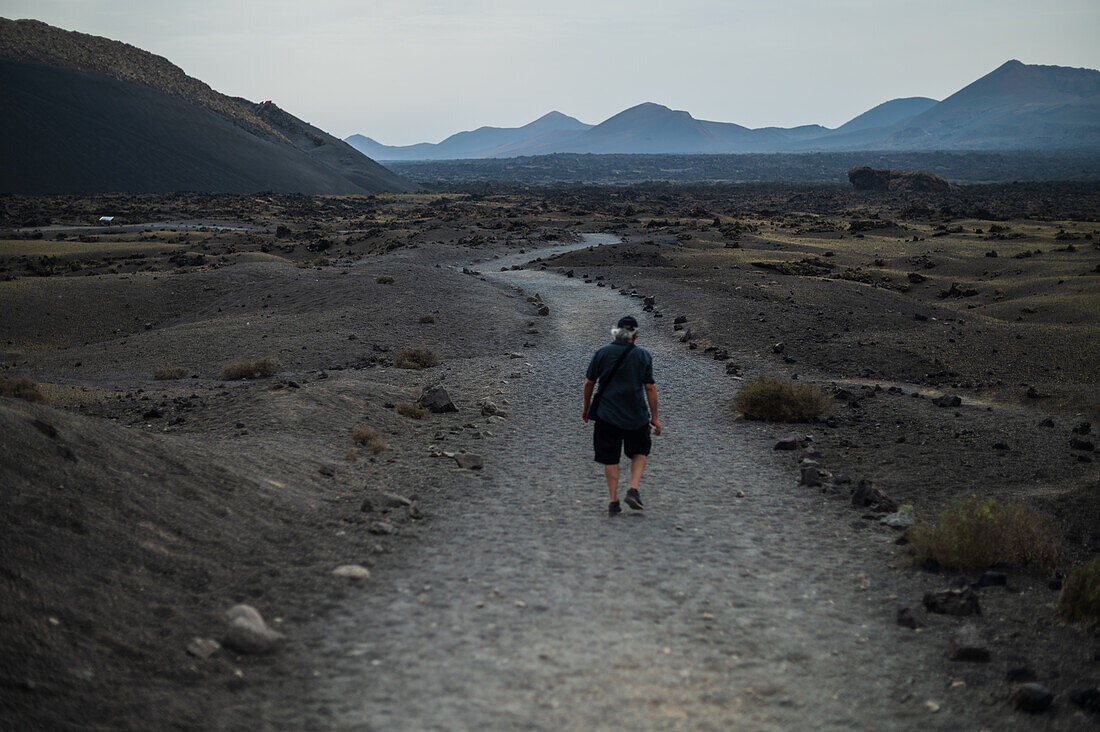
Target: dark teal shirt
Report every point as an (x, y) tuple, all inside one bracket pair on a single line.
[(623, 403)]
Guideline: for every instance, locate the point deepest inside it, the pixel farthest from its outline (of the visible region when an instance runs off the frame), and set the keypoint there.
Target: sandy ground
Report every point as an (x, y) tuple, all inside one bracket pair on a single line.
[(138, 510)]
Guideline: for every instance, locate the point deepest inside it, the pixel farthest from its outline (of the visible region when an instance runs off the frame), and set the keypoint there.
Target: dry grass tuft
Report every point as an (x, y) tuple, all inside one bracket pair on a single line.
[(412, 410), (773, 399), (168, 373), (416, 358), (21, 388), (973, 533), (369, 438), (384, 280), (426, 319), (258, 369), (1080, 597)]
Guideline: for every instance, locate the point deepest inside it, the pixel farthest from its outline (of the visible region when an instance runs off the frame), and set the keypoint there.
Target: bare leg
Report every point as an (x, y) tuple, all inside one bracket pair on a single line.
[(637, 465), (611, 472)]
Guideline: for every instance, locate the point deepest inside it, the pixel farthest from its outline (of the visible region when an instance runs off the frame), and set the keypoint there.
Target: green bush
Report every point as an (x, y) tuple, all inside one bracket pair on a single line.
[(169, 373), (773, 399), (1080, 597), (974, 533), (416, 358), (21, 388), (384, 280), (426, 319)]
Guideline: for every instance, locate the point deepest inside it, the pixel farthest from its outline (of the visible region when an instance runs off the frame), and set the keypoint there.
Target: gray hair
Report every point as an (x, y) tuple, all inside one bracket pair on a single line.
[(623, 334)]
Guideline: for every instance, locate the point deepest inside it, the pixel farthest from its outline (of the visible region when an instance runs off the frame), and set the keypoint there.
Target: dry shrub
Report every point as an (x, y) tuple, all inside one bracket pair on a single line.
[(773, 399), (21, 388), (972, 533), (412, 410), (168, 373), (416, 358), (258, 369), (384, 280), (369, 438), (1080, 597), (426, 319)]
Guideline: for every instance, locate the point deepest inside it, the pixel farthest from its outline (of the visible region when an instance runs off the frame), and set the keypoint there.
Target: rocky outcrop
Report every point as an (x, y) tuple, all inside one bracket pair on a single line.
[(864, 178)]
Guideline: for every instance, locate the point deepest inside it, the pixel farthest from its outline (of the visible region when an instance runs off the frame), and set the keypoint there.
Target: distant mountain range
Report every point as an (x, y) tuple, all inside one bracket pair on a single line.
[(87, 114), (1015, 107)]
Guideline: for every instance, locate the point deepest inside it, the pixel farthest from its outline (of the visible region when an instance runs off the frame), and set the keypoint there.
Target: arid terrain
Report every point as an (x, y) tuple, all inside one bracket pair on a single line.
[(139, 509)]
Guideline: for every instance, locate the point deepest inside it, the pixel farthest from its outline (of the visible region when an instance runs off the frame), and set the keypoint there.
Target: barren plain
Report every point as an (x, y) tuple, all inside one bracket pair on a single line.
[(139, 509)]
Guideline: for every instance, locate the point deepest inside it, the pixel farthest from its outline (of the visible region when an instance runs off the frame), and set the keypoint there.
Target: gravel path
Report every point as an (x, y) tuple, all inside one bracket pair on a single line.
[(527, 607)]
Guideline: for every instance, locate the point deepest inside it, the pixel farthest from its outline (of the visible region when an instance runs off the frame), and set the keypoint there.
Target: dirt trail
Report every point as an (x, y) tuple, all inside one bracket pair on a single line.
[(527, 607)]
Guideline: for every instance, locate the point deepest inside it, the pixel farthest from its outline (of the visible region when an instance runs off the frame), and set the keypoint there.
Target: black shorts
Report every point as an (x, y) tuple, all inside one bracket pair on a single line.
[(611, 441)]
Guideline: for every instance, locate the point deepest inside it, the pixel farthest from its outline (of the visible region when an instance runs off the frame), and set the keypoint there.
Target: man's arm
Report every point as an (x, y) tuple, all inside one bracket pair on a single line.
[(651, 397), (589, 385)]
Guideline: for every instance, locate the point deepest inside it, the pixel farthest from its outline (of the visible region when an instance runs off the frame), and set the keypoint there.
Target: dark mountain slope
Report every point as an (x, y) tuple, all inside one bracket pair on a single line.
[(887, 114), (1016, 106), (85, 114)]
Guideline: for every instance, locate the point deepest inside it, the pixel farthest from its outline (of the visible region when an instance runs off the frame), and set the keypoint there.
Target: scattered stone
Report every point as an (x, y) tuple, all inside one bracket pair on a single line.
[(414, 513), (489, 409), (793, 441), (1020, 674), (153, 413), (469, 461), (952, 602), (393, 500), (543, 310), (649, 300), (1033, 698), (367, 506), (352, 571), (733, 369), (680, 319), (248, 633), (326, 470), (968, 645), (948, 400), (1084, 445), (50, 431), (381, 528), (1082, 429), (436, 400), (1002, 445), (867, 494), (778, 348), (810, 476), (899, 519), (203, 647), (907, 619), (1087, 699), (991, 579)]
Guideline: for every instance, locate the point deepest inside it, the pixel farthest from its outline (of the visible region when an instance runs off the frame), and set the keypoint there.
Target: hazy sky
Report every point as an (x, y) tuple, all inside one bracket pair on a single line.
[(404, 71)]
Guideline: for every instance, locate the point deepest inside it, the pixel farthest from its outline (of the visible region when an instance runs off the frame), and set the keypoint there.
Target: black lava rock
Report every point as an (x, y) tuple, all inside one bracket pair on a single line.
[(1033, 698)]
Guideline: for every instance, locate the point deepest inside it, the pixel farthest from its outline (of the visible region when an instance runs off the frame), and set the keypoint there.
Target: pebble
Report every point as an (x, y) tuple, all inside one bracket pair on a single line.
[(968, 645), (203, 647), (352, 571), (952, 602), (793, 441), (248, 633), (1032, 698), (469, 461), (382, 528)]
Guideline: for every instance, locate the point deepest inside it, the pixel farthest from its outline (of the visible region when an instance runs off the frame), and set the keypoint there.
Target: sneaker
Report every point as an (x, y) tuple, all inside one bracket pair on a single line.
[(633, 499), (614, 509)]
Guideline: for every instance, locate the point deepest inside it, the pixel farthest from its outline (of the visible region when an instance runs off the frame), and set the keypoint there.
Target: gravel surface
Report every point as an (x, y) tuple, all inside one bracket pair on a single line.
[(734, 600)]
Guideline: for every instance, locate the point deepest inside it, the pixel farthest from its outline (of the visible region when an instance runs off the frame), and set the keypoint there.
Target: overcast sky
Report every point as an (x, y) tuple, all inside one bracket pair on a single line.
[(404, 71)]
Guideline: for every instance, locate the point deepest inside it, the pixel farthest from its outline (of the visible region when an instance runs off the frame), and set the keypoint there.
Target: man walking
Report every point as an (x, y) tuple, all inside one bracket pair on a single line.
[(625, 376)]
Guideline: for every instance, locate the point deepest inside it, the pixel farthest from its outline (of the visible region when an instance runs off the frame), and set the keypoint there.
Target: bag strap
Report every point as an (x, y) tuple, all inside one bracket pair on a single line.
[(614, 369)]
